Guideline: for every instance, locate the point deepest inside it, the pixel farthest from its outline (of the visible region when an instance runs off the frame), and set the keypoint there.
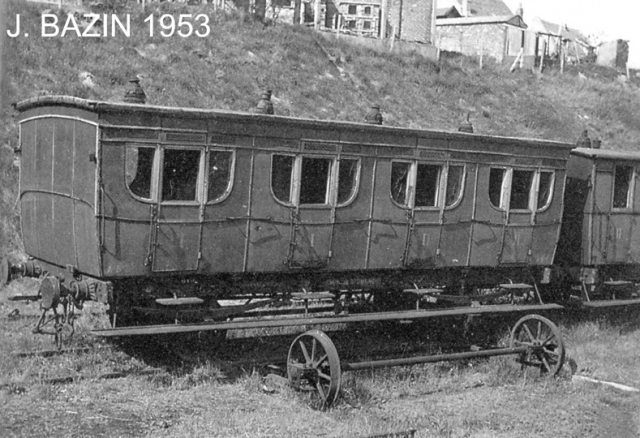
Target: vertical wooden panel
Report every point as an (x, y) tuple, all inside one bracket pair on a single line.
[(351, 229), (270, 229), (389, 231)]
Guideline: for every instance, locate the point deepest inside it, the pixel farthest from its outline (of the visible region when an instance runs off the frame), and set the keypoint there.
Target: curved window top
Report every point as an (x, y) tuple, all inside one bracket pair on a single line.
[(545, 189), (422, 185), (220, 175), (314, 181), (455, 184), (139, 163), (522, 190), (348, 180), (282, 177), (400, 182)]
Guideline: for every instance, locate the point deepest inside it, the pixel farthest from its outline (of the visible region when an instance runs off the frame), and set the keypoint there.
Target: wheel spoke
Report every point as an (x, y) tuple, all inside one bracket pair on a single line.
[(319, 361), (320, 389), (324, 376), (550, 352), (546, 363), (549, 338), (313, 350), (539, 329), (526, 327), (305, 353)]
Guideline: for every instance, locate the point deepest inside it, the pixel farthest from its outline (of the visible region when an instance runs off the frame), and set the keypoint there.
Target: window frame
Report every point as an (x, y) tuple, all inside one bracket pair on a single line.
[(199, 180), (440, 202), (533, 189), (630, 191), (232, 173), (507, 184), (332, 183), (552, 188), (354, 195), (155, 168), (462, 185)]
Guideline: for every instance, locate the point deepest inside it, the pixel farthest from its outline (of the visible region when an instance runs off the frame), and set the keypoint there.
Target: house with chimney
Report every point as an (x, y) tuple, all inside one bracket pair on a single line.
[(486, 28)]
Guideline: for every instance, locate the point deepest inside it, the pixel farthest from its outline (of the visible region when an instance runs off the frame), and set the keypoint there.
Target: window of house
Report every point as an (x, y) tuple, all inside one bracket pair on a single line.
[(367, 10), (496, 187), (220, 169), (281, 177), (521, 184), (180, 175), (545, 187), (366, 25), (347, 180), (400, 182), (455, 179), (351, 24), (139, 170), (427, 182), (622, 186), (314, 180), (353, 9)]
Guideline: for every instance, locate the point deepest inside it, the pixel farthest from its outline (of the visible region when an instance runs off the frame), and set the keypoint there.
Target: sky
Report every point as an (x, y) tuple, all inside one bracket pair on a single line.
[(615, 19)]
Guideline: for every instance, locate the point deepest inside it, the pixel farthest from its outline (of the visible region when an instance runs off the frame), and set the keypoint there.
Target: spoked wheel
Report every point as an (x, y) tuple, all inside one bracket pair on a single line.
[(544, 342), (313, 365)]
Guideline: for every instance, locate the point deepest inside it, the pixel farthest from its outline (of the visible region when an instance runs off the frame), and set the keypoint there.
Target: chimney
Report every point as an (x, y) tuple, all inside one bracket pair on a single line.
[(265, 106), (374, 116), (584, 141), (520, 10), (466, 126), (464, 8), (135, 93)]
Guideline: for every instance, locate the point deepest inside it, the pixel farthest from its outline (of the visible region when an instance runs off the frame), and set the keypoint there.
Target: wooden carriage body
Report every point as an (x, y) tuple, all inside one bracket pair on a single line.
[(601, 229), (115, 190)]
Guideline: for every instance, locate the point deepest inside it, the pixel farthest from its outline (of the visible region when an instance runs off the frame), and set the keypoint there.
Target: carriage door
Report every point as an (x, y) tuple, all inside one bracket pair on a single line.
[(313, 221), (426, 215), (178, 211), (518, 232)]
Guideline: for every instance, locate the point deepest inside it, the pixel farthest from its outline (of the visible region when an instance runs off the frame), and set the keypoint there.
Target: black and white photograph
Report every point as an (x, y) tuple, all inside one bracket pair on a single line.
[(319, 218)]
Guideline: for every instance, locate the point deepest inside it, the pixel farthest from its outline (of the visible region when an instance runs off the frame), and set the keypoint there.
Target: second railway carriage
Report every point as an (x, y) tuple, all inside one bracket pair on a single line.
[(600, 240), (132, 204)]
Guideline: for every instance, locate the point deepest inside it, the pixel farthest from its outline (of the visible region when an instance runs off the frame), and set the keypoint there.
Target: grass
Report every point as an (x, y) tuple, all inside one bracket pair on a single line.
[(222, 394)]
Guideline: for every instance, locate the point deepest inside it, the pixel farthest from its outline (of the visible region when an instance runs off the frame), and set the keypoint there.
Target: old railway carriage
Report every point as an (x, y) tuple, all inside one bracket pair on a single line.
[(600, 240), (132, 203)]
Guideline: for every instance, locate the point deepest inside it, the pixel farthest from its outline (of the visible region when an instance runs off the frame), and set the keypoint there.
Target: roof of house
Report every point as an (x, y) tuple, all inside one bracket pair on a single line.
[(513, 20), (449, 12), (482, 8), (541, 26)]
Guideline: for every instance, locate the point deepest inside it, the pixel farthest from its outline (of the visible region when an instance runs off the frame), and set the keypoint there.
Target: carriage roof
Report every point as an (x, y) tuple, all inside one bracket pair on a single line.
[(103, 107)]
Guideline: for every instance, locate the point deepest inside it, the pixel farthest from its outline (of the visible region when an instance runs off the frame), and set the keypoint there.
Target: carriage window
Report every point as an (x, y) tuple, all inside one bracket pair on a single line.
[(544, 189), (180, 175), (455, 178), (399, 182), (496, 187), (314, 180), (521, 184), (347, 180), (427, 182), (281, 171), (622, 187), (139, 170), (220, 163)]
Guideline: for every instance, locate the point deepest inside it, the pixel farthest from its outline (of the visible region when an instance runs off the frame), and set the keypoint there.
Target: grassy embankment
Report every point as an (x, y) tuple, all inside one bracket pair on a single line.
[(216, 398)]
